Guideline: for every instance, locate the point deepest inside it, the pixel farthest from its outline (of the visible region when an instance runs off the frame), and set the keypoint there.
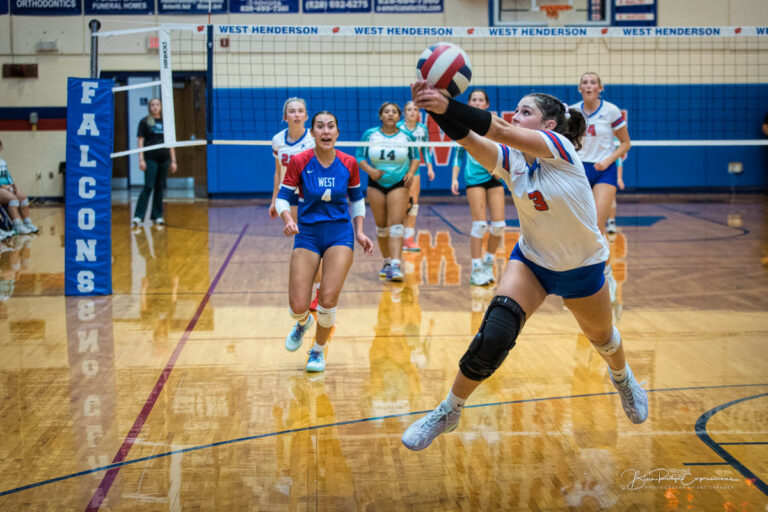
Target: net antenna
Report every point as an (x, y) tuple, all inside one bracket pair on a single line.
[(553, 10)]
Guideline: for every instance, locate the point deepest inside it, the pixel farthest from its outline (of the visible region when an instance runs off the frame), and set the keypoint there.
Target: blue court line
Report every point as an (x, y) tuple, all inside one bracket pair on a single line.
[(705, 463), (353, 422), (701, 431), (437, 214)]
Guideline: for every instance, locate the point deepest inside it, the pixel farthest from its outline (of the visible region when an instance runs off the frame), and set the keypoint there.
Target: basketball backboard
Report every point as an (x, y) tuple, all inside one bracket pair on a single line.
[(532, 12)]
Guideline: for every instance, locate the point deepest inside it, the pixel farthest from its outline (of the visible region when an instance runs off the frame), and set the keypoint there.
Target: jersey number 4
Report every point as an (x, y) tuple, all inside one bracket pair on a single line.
[(326, 196), (591, 130), (538, 201)]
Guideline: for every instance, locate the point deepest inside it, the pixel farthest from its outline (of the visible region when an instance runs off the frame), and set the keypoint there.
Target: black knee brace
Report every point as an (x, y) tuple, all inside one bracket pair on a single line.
[(503, 321)]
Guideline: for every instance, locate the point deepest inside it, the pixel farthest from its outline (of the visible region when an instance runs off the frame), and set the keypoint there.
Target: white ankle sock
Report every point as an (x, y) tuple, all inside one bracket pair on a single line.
[(620, 375), (409, 232), (488, 258), (318, 348), (455, 402), (477, 263)]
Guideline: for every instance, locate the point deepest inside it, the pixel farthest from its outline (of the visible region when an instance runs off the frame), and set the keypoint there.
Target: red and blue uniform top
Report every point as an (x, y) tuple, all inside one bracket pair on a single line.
[(323, 191)]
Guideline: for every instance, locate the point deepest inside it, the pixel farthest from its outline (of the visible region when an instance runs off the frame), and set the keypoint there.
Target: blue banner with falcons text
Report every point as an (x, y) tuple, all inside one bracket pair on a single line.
[(88, 210)]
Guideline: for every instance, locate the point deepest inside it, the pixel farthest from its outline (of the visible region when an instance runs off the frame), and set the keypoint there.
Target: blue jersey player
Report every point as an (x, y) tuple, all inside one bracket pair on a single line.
[(324, 179)]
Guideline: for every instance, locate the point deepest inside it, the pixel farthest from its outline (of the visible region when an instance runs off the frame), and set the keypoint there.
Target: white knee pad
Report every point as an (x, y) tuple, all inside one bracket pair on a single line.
[(396, 230), (13, 202), (498, 227), (479, 227), (24, 202), (326, 317), (414, 210), (299, 317), (613, 344), (382, 232)]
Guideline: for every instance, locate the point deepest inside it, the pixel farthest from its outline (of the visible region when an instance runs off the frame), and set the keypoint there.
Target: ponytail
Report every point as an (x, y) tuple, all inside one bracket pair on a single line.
[(570, 123)]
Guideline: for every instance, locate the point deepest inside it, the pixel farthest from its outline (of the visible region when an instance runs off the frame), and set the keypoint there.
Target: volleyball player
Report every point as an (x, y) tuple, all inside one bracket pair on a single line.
[(390, 167), (288, 142), (323, 177), (560, 251), (155, 165), (484, 191), (598, 153), (412, 124)]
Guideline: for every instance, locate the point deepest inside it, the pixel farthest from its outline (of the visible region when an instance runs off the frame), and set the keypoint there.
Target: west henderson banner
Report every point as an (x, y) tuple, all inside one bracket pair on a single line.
[(88, 210)]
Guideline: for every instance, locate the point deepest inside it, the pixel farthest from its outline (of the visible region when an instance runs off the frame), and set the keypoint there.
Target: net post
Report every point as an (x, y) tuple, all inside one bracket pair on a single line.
[(94, 25), (166, 86), (209, 85)]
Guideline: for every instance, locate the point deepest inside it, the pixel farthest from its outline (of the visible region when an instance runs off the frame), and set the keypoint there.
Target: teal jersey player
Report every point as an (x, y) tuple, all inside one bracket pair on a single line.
[(474, 173), (419, 134), (386, 155)]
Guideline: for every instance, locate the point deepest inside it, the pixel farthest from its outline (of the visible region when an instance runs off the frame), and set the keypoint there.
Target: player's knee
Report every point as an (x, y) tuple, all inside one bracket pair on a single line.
[(23, 200), (503, 321), (396, 230), (498, 227), (382, 232), (413, 210), (13, 203), (611, 346), (299, 317), (326, 317), (479, 227)]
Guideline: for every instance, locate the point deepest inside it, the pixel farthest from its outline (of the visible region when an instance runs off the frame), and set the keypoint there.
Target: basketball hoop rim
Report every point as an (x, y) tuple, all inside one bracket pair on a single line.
[(553, 10)]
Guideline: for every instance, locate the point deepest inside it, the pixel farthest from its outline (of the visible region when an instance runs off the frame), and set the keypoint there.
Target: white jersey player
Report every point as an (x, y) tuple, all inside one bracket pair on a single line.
[(561, 250), (599, 154), (288, 142)]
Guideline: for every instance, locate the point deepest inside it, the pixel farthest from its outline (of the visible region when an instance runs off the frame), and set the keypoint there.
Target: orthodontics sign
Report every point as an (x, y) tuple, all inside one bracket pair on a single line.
[(88, 215)]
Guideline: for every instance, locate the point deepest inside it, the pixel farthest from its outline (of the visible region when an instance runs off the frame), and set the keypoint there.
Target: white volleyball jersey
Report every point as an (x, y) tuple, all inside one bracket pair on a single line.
[(284, 150), (598, 141), (558, 217)]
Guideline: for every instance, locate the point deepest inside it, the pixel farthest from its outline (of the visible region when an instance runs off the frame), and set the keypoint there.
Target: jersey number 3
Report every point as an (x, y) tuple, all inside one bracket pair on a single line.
[(538, 201), (285, 159)]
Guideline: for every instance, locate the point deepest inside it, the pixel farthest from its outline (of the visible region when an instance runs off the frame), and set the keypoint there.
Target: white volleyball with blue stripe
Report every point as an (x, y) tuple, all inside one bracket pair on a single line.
[(446, 66)]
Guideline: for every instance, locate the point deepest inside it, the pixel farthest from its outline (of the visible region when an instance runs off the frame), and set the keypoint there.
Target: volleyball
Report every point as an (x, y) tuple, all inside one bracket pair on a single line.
[(446, 66)]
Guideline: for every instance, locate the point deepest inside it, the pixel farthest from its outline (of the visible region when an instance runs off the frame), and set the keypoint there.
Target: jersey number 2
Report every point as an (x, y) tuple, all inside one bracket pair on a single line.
[(538, 201), (326, 195)]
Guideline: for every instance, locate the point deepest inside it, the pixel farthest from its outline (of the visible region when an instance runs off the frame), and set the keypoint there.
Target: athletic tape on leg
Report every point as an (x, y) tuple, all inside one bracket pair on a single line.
[(413, 210), (610, 348), (498, 227), (13, 202), (24, 202), (396, 230), (479, 227), (326, 317), (300, 317), (382, 232)]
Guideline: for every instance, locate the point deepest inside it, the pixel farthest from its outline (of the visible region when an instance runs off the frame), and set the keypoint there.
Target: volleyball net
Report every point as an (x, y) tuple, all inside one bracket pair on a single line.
[(694, 88)]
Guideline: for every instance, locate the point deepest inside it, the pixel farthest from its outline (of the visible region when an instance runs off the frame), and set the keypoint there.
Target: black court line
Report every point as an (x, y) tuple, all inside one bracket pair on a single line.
[(350, 422), (701, 431)]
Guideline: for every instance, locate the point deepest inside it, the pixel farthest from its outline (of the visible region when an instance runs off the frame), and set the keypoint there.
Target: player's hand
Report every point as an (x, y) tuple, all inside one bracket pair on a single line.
[(377, 174), (601, 166), (408, 179), (290, 228), (272, 211), (455, 187), (430, 173), (620, 183), (174, 167), (142, 165), (365, 243), (427, 97)]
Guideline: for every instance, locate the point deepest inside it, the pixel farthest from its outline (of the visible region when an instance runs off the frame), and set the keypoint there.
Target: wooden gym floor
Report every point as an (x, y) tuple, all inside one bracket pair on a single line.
[(176, 393)]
